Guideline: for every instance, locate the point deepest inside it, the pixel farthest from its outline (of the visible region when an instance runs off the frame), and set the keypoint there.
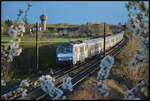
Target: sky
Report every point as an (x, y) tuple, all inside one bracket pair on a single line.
[(74, 12)]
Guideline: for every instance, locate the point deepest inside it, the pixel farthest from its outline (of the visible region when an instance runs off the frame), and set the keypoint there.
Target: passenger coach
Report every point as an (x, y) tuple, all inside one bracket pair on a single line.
[(74, 52)]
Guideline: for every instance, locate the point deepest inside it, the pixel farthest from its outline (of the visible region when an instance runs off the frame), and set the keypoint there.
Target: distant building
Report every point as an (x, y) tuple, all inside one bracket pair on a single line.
[(96, 28)]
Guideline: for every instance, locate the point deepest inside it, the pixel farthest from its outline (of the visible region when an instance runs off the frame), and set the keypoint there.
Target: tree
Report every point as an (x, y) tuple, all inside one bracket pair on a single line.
[(138, 24), (20, 13), (27, 25), (5, 24), (138, 18), (11, 48), (25, 16), (8, 22)]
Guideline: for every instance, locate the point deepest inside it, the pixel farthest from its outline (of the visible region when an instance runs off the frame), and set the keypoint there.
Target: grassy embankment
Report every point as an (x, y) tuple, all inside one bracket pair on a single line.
[(121, 78), (49, 40), (23, 66)]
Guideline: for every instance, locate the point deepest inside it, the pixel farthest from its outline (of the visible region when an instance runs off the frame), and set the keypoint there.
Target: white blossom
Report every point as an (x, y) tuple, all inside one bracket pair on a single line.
[(59, 93), (142, 83), (67, 84), (130, 94), (10, 45), (14, 92), (138, 23), (10, 93), (105, 67), (5, 96), (102, 88), (24, 93), (24, 83), (17, 52), (135, 59), (3, 83), (11, 49), (64, 97), (144, 49), (19, 90), (47, 85), (107, 61), (21, 28), (12, 31)]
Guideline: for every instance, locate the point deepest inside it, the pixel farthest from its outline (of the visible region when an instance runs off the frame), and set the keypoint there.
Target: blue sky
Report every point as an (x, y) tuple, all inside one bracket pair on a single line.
[(75, 12)]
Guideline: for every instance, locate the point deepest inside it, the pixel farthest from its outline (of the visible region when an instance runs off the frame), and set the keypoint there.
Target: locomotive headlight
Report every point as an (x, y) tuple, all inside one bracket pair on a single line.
[(60, 59), (70, 58)]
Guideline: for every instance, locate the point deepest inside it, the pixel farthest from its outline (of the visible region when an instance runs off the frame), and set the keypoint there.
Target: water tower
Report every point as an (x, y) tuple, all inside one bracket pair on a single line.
[(43, 19)]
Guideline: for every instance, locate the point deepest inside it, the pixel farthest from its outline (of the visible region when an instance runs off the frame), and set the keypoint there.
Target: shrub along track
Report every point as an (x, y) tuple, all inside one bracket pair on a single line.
[(78, 73)]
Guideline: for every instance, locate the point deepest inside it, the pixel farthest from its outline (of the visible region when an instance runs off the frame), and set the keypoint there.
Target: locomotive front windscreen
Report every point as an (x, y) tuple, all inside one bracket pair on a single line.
[(65, 48)]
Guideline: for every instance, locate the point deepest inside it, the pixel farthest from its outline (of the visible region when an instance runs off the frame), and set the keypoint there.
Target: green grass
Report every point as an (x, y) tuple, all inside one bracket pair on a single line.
[(55, 40), (48, 40), (59, 40), (6, 38)]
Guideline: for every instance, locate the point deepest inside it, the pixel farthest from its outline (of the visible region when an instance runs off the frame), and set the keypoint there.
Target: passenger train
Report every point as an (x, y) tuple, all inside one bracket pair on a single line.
[(72, 53)]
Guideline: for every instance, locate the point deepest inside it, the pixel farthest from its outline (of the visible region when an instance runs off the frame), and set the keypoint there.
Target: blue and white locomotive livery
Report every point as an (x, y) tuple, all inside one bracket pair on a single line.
[(64, 53), (72, 53)]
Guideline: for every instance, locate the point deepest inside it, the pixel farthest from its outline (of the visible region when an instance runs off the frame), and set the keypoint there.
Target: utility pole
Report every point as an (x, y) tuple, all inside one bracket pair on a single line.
[(104, 40), (37, 48)]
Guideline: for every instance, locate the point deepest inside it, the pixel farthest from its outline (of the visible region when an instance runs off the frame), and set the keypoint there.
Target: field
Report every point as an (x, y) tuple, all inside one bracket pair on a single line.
[(30, 41), (55, 40)]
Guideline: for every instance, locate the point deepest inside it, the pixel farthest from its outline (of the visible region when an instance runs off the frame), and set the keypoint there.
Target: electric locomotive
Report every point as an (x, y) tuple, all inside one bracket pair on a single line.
[(64, 54)]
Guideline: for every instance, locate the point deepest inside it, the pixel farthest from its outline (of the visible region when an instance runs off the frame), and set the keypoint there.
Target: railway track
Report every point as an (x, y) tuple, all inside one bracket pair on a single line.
[(78, 73), (80, 77)]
